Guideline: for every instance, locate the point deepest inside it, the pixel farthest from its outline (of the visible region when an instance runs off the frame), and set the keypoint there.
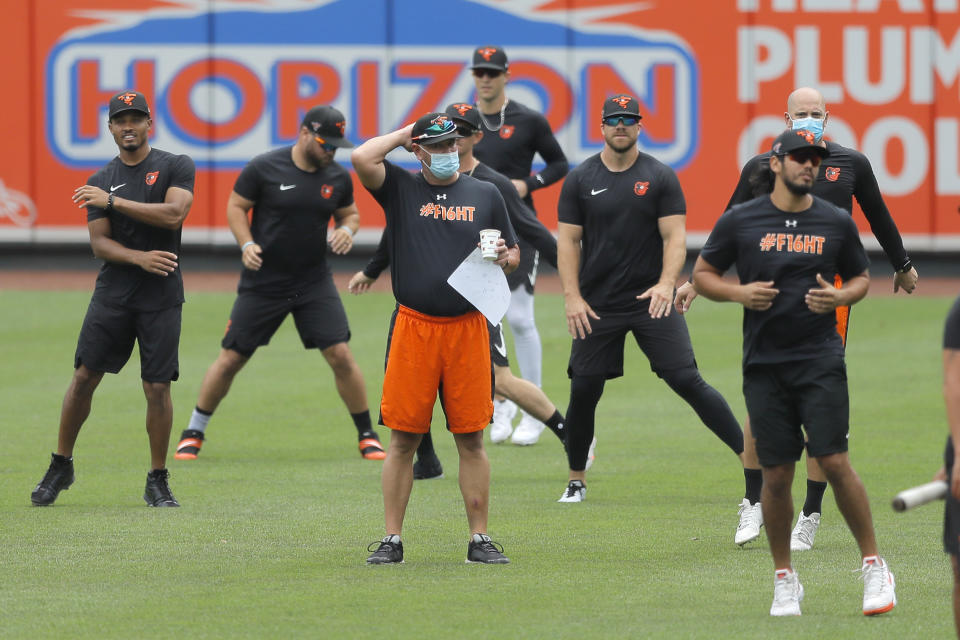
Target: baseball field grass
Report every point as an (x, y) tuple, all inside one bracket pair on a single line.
[(279, 508)]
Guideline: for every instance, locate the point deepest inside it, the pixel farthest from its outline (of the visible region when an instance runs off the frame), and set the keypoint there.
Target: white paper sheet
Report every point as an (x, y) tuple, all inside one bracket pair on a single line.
[(483, 284)]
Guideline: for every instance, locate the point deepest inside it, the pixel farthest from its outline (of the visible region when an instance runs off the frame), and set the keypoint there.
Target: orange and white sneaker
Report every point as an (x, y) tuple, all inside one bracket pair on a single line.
[(370, 447), (190, 442), (879, 587), (787, 593)]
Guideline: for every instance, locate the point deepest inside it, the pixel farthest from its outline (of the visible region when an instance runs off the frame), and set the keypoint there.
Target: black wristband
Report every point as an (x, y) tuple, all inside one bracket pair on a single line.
[(110, 202), (906, 266)]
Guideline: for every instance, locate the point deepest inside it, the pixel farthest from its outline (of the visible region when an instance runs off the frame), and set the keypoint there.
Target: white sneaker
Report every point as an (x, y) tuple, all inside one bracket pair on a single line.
[(528, 431), (576, 491), (501, 427), (787, 593), (803, 534), (591, 454), (879, 587), (751, 519)]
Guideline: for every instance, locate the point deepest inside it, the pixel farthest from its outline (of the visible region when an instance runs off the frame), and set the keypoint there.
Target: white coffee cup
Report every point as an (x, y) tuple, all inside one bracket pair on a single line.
[(488, 243)]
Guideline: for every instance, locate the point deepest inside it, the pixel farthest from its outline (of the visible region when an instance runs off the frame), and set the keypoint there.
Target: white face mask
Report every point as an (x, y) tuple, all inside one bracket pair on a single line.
[(443, 165)]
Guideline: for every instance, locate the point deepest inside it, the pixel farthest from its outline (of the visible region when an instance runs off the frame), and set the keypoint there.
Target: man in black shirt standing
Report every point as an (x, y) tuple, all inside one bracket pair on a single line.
[(788, 247), (513, 134), (621, 247), (293, 191), (136, 206), (847, 175)]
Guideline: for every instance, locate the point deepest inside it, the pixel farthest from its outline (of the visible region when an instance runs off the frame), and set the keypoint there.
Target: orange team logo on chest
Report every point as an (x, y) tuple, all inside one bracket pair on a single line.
[(832, 173), (151, 177), (506, 131), (640, 188), (326, 191)]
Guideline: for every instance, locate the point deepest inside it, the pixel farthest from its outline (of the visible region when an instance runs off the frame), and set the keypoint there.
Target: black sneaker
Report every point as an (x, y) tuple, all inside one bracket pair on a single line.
[(388, 551), (427, 469), (190, 442), (59, 477), (157, 493), (483, 549)]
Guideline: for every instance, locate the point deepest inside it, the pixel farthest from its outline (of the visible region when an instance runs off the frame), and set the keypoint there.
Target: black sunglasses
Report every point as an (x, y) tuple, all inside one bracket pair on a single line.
[(489, 73), (326, 146), (803, 155), (627, 121)]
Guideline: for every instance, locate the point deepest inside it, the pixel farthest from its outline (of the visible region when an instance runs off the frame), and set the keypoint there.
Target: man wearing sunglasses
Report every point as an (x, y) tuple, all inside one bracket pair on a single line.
[(848, 174), (293, 192), (513, 135), (788, 246), (621, 245)]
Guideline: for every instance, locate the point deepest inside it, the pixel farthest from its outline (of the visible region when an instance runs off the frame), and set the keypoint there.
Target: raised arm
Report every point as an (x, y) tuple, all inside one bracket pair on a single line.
[(368, 158)]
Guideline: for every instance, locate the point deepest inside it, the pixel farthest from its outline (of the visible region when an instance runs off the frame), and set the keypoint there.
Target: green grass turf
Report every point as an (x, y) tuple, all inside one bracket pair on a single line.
[(278, 510)]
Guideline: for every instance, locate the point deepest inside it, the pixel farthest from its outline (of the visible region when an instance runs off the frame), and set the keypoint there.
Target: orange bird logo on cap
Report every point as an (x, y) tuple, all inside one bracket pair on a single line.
[(342, 126), (127, 98), (440, 121), (462, 108), (486, 52), (623, 101), (806, 135)]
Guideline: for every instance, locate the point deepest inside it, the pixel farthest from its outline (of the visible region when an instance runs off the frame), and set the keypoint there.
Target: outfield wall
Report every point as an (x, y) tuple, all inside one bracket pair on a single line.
[(228, 79)]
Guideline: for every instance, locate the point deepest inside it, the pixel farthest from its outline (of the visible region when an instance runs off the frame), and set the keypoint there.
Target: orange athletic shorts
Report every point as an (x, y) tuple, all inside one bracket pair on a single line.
[(428, 354), (843, 313)]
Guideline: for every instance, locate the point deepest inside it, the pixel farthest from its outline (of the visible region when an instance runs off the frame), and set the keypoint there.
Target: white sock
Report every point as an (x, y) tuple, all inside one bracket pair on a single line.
[(198, 421), (526, 338)]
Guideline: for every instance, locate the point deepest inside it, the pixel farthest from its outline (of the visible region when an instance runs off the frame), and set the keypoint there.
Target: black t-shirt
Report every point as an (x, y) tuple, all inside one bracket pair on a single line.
[(430, 230), (126, 284), (510, 149), (291, 212), (621, 248), (844, 175), (789, 248)]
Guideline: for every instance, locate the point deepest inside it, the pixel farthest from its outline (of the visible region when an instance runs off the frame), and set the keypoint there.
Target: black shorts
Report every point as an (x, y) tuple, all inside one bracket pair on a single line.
[(784, 396), (108, 333), (498, 346), (665, 341), (525, 275), (317, 312), (951, 511)]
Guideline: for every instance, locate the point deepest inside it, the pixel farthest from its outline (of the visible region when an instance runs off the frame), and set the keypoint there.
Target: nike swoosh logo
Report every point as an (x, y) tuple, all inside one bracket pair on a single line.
[(285, 187), (112, 188), (594, 192), (501, 346)]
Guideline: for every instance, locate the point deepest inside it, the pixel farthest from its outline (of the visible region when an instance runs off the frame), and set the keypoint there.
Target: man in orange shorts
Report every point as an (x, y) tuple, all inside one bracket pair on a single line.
[(438, 340)]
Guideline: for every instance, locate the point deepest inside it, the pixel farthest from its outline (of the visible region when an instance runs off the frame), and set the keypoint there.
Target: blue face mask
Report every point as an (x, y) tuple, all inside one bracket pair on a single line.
[(813, 125), (444, 165)]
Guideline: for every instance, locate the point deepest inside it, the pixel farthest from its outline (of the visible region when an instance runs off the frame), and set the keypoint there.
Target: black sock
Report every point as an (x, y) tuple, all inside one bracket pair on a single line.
[(426, 451), (753, 478), (555, 423), (362, 422), (814, 502)]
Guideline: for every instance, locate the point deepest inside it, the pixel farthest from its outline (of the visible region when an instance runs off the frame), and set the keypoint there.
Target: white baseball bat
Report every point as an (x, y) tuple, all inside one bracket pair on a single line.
[(916, 496)]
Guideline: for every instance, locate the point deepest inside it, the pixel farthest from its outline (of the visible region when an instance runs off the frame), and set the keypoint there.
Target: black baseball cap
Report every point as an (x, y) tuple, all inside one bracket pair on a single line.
[(489, 57), (434, 127), (621, 105), (795, 139), (128, 101), (327, 125), (463, 113)]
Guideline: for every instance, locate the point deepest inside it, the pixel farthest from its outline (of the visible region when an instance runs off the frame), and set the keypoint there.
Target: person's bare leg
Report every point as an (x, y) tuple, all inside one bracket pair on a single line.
[(159, 421), (348, 377), (749, 456), (397, 478), (777, 502), (956, 594), (216, 383), (523, 393), (76, 407), (474, 479), (851, 497)]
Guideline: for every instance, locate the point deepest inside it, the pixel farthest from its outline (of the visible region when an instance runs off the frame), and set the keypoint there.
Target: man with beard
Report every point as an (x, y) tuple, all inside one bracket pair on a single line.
[(622, 243), (135, 229), (293, 191), (788, 247)]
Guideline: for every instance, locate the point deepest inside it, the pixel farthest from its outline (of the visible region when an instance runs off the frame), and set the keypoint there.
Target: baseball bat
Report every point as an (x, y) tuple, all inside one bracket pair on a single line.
[(916, 496)]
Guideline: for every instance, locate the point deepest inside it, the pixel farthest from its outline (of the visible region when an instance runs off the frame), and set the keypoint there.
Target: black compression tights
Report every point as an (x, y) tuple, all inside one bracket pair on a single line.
[(585, 392), (709, 405)]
